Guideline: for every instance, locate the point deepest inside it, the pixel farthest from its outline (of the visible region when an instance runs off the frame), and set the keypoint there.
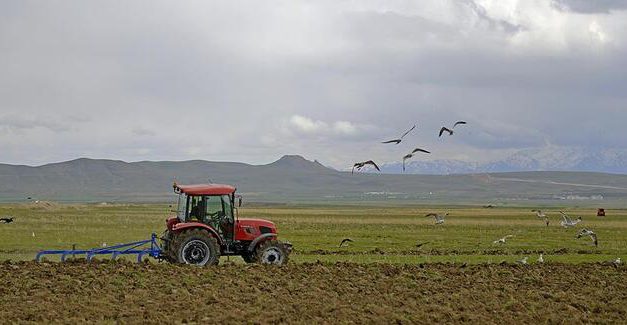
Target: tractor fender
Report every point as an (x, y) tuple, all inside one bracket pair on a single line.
[(256, 241), (190, 225)]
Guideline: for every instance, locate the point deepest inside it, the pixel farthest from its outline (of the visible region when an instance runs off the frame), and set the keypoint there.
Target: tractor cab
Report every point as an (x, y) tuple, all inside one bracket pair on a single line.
[(211, 205)]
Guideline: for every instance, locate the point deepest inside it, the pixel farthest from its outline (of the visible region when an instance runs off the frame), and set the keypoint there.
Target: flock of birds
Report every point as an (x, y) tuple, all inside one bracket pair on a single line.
[(359, 165), (566, 222)]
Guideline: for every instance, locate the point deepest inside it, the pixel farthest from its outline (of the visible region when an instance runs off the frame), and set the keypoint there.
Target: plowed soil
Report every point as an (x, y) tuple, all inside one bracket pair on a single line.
[(304, 293)]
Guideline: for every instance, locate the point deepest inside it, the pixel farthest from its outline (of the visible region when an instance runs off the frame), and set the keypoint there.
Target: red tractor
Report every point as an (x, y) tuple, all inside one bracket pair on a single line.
[(207, 226)]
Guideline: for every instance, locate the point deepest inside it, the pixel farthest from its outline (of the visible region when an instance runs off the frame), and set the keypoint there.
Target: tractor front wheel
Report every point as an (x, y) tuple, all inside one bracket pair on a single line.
[(196, 247), (272, 252)]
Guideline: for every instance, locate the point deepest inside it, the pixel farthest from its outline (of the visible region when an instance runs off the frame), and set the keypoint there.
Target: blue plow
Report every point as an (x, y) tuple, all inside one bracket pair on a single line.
[(142, 248)]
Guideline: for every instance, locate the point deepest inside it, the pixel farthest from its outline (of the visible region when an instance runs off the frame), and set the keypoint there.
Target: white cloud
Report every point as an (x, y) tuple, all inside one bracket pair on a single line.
[(344, 127), (307, 125)]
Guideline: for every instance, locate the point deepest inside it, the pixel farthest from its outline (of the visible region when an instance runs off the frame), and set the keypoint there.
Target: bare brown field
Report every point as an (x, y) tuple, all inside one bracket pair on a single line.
[(312, 292)]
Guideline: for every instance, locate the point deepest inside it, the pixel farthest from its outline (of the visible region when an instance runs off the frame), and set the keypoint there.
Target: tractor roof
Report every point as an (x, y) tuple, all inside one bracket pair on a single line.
[(205, 189)]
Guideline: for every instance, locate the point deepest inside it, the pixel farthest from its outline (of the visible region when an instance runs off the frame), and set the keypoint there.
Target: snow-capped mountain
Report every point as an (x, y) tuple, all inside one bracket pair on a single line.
[(549, 158)]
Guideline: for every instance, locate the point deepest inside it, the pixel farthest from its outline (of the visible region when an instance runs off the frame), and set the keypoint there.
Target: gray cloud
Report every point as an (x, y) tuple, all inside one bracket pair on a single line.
[(591, 6), (18, 123), (248, 81)]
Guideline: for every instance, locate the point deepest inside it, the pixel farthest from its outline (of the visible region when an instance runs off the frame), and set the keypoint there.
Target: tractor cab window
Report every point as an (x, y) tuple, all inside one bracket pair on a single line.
[(214, 206), (196, 208), (227, 222), (213, 210), (181, 208)]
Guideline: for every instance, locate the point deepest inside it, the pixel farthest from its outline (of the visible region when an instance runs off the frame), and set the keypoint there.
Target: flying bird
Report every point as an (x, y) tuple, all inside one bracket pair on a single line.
[(411, 154), (489, 206), (397, 141), (450, 131), (444, 128), (502, 240), (567, 222), (6, 220), (439, 218), (360, 165), (593, 236), (419, 150), (345, 241)]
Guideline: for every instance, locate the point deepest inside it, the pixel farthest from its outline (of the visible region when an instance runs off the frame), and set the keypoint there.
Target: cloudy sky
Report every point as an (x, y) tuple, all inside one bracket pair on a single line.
[(252, 80)]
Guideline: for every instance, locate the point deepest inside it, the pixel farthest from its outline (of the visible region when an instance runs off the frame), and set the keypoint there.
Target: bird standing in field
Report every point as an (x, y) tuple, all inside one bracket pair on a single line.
[(523, 261), (397, 141), (419, 244), (450, 131), (345, 241), (542, 215), (361, 165), (411, 154), (539, 214), (593, 236), (540, 259), (6, 220), (502, 240), (439, 218)]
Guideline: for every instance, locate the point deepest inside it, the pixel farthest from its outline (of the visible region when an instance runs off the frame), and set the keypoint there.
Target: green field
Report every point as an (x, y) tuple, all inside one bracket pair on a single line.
[(380, 234)]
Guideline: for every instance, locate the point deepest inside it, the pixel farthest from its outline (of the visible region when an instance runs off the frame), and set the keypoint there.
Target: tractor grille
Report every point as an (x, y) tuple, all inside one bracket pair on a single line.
[(265, 230)]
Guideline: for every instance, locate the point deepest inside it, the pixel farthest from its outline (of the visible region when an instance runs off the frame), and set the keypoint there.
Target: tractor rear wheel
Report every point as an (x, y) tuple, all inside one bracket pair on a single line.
[(196, 247), (249, 257), (168, 243), (272, 252)]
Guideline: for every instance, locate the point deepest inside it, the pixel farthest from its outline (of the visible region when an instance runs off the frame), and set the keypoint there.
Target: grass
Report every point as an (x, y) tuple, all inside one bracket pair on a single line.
[(380, 234)]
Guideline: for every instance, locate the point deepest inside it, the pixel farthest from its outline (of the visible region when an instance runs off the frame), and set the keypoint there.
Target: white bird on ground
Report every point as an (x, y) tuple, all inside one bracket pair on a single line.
[(586, 232), (540, 259), (523, 261), (542, 215), (502, 240), (439, 218), (33, 234), (568, 222), (539, 214), (617, 261)]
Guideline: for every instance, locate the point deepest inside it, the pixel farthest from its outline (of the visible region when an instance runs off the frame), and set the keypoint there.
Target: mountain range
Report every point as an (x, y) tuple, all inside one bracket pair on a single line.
[(549, 158), (293, 179)]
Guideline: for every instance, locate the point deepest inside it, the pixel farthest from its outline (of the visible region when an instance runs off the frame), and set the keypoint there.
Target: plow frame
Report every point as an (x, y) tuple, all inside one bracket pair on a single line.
[(135, 248)]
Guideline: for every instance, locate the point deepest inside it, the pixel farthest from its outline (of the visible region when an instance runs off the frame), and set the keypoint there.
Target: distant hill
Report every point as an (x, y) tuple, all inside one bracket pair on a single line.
[(295, 179), (549, 158)]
